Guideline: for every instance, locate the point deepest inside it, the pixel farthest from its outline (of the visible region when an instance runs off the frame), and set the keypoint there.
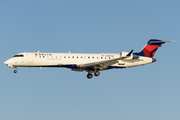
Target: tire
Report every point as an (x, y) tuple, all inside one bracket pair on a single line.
[(89, 76), (15, 71), (97, 73)]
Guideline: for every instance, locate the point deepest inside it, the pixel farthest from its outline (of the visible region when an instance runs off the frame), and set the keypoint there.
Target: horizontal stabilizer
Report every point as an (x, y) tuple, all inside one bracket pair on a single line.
[(160, 42)]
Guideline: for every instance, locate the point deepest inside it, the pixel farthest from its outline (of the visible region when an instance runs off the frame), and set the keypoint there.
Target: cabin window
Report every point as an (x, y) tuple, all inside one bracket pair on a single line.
[(109, 57), (72, 56), (77, 56), (84, 56), (89, 57), (93, 57), (101, 57), (64, 56), (81, 57)]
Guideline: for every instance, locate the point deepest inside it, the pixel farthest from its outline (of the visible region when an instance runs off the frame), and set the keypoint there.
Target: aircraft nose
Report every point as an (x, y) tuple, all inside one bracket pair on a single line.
[(6, 62)]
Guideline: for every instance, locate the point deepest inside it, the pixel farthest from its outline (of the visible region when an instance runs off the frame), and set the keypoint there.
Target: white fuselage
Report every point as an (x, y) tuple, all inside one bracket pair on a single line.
[(70, 60), (91, 63)]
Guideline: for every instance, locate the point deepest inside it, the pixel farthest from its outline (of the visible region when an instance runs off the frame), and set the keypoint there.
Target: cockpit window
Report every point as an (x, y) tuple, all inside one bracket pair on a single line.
[(18, 56)]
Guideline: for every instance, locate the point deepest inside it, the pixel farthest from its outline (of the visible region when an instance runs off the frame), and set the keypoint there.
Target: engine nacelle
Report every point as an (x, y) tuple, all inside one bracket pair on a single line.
[(131, 57)]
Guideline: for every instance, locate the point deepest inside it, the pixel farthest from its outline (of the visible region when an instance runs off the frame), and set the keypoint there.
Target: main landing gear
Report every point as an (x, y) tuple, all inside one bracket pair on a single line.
[(89, 75)]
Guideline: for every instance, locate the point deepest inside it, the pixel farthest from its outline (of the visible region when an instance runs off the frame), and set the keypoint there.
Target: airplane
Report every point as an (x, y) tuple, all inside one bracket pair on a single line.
[(91, 63)]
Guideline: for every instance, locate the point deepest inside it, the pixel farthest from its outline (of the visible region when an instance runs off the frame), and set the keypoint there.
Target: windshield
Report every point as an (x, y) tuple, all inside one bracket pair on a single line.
[(18, 56)]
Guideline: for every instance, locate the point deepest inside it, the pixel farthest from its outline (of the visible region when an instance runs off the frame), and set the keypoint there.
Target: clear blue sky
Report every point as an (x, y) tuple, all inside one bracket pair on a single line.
[(149, 92)]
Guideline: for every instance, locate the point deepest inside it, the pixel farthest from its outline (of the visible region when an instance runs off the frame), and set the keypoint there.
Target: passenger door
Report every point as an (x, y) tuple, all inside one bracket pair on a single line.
[(30, 58)]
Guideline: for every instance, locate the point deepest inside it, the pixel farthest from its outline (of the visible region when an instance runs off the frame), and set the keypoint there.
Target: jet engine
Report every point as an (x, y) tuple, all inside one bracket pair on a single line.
[(131, 57)]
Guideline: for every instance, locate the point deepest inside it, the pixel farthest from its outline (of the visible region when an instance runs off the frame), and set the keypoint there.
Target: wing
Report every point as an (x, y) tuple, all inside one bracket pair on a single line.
[(101, 65)]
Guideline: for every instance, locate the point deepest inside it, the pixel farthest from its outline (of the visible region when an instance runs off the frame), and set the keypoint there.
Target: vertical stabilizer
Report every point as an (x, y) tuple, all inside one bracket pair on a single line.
[(150, 48)]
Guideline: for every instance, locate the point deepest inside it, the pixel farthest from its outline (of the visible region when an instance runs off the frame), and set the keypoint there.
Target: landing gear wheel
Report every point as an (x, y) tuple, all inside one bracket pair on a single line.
[(15, 71), (97, 73), (89, 76)]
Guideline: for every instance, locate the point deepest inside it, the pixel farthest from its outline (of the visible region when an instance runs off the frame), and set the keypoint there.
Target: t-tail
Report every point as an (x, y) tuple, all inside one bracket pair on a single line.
[(151, 47)]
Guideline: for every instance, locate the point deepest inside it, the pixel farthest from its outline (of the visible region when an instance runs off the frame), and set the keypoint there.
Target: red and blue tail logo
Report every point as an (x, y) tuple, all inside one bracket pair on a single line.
[(150, 49)]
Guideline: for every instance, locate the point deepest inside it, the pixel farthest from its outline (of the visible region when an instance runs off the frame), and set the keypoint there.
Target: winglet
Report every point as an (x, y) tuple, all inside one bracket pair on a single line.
[(129, 54)]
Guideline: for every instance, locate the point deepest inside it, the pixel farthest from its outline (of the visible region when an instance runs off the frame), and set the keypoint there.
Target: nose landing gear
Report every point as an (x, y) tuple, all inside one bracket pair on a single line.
[(15, 71)]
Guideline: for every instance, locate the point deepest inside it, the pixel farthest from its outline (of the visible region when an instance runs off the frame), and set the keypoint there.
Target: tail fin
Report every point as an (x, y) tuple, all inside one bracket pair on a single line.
[(150, 48)]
